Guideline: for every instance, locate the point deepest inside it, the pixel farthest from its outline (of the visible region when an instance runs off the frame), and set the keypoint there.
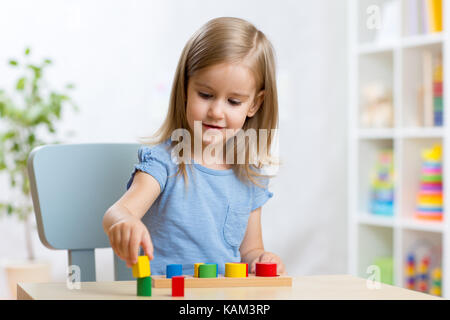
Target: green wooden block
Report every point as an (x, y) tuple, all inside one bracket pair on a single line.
[(207, 271), (144, 287)]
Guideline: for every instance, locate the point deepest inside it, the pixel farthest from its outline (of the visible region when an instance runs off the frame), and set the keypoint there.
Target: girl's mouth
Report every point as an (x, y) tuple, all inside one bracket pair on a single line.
[(211, 127)]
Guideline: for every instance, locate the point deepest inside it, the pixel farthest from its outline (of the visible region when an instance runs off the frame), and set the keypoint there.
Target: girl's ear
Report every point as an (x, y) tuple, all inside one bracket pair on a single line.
[(256, 104)]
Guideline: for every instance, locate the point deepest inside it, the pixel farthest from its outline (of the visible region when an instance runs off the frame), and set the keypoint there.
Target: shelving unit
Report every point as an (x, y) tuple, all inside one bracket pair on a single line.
[(396, 63)]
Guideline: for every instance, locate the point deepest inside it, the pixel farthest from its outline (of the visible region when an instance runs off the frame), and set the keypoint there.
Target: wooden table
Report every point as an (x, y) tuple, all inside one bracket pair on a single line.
[(323, 287)]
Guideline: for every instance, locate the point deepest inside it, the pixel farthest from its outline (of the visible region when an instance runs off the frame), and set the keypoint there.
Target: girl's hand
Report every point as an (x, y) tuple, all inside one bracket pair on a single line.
[(269, 257), (126, 236)]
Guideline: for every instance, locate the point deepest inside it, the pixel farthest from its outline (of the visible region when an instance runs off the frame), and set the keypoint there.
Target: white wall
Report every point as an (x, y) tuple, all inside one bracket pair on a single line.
[(122, 56)]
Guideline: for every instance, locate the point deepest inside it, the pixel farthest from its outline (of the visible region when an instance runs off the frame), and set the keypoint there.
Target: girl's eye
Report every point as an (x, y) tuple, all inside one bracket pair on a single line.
[(204, 95), (234, 102)]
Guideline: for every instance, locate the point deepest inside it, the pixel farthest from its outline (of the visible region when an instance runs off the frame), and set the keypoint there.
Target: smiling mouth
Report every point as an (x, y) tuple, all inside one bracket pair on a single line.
[(211, 127)]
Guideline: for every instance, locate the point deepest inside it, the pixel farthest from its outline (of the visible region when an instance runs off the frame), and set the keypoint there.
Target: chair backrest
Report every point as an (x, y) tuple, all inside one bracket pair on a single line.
[(72, 186)]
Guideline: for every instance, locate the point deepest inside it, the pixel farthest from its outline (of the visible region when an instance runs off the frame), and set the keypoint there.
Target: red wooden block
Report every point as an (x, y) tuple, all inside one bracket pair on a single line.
[(178, 286), (266, 269)]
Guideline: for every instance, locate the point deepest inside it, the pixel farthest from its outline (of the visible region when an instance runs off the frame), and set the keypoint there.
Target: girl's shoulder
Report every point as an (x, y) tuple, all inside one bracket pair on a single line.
[(160, 152)]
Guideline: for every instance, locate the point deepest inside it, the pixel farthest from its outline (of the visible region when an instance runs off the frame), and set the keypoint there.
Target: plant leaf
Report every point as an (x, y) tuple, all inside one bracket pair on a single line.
[(9, 135), (21, 84), (31, 138)]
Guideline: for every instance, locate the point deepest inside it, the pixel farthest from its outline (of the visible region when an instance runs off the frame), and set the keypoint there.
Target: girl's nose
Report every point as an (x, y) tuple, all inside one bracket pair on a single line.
[(215, 110)]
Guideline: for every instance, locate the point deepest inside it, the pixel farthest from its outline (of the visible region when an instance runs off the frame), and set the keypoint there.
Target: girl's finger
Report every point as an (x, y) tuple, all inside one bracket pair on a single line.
[(133, 246), (252, 268), (147, 245), (124, 242), (266, 258)]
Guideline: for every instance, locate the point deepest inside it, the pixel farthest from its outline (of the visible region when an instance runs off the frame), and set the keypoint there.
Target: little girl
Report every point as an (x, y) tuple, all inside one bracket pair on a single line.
[(224, 82)]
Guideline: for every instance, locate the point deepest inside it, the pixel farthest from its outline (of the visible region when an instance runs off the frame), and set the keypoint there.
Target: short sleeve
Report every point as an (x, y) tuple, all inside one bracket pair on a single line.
[(153, 162), (261, 195)]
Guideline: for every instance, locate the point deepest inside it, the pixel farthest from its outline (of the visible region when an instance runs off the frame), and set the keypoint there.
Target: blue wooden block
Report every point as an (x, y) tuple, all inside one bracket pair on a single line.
[(174, 270)]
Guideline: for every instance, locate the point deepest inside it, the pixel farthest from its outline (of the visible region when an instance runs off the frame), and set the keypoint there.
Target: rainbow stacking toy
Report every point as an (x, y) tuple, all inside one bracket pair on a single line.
[(382, 185), (429, 198)]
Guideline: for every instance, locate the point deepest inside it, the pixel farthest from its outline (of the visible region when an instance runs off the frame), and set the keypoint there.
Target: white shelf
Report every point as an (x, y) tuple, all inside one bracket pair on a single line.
[(370, 48), (376, 220), (422, 40), (411, 132), (413, 224), (376, 133), (405, 42), (405, 223), (421, 132), (396, 64)]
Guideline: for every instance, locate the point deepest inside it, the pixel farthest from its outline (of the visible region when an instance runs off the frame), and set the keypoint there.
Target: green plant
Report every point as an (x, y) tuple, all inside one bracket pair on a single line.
[(28, 115)]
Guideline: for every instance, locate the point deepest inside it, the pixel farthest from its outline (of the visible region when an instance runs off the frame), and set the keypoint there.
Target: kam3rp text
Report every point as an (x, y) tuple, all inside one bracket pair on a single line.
[(226, 309)]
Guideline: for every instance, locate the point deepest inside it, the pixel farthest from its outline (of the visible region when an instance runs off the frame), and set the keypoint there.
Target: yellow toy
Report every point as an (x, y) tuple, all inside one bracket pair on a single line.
[(142, 268), (436, 285), (235, 270), (433, 154)]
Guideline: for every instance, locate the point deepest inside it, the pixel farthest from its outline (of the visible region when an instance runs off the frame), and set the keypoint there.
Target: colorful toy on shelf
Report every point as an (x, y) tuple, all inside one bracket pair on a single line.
[(410, 272), (423, 274), (429, 198), (382, 184), (377, 110), (386, 266), (438, 105), (436, 284), (422, 257)]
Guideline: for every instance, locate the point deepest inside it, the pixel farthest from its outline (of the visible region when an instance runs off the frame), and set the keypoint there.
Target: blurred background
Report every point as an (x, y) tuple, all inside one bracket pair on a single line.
[(362, 133)]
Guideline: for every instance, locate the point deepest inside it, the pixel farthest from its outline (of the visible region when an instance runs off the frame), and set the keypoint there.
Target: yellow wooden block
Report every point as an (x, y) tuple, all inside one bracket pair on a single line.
[(142, 268), (196, 265), (235, 270)]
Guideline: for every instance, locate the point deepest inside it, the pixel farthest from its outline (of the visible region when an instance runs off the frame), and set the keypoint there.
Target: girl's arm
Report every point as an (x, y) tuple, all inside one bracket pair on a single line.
[(122, 221), (252, 247)]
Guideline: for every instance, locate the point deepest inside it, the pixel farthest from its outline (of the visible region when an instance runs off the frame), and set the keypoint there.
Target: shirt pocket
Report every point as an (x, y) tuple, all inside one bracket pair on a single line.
[(235, 225)]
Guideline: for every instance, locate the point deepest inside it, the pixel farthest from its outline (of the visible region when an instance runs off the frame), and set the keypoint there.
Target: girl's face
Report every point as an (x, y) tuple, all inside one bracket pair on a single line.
[(222, 95)]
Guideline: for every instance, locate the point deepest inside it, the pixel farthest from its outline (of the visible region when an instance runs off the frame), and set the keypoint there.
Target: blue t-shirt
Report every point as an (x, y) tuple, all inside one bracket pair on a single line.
[(207, 223)]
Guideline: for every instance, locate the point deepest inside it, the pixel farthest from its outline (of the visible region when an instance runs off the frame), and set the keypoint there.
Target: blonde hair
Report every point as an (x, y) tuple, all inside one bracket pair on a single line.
[(230, 40)]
